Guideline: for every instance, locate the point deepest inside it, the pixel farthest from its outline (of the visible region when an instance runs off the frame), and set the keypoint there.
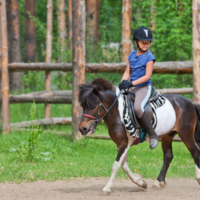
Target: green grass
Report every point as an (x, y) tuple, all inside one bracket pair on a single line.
[(56, 157)]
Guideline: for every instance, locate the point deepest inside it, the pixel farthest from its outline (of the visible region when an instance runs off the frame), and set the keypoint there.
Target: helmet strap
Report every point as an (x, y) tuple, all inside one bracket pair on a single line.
[(140, 48)]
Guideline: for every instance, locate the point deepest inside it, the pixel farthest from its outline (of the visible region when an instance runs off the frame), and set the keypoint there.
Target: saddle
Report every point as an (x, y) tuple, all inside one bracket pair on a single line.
[(147, 108)]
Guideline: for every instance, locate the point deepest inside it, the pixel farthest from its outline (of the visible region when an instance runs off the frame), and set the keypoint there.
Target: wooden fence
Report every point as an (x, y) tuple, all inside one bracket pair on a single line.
[(78, 67), (172, 67)]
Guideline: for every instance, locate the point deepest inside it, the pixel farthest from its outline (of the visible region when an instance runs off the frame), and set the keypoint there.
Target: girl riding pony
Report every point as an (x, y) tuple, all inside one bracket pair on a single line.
[(139, 69)]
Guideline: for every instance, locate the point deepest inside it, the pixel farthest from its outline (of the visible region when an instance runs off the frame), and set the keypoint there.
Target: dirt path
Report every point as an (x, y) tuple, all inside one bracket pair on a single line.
[(90, 189)]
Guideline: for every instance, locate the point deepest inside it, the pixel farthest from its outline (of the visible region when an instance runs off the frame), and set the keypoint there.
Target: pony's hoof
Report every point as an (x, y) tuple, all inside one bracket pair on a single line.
[(198, 180), (142, 184), (158, 184), (106, 192)]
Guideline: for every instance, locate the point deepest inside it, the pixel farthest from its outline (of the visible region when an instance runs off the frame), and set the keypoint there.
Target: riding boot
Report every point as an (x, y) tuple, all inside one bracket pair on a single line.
[(146, 123)]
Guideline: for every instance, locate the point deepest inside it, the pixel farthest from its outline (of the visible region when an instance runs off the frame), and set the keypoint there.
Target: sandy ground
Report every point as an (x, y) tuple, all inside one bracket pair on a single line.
[(91, 189)]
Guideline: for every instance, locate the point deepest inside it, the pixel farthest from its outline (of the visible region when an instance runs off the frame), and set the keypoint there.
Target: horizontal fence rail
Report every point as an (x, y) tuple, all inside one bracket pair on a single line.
[(176, 90), (52, 97), (65, 96), (43, 122), (44, 131), (23, 67), (50, 100), (171, 67), (107, 137)]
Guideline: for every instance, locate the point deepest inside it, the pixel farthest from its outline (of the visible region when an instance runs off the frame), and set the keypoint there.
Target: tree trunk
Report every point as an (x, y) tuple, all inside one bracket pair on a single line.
[(61, 29), (30, 39), (1, 128), (93, 7), (4, 68), (14, 47), (69, 24), (126, 29), (153, 14), (196, 51), (48, 52), (78, 21)]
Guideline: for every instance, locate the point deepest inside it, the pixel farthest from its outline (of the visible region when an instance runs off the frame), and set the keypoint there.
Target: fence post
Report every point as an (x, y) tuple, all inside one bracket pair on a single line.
[(48, 53), (196, 51), (126, 29), (4, 68), (78, 42)]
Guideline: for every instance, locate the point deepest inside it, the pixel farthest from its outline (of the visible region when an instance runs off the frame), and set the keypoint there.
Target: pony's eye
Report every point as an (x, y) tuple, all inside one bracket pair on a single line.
[(93, 108)]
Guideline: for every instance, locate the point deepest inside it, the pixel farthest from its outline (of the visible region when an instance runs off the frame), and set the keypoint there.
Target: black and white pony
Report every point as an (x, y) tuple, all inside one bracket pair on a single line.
[(177, 116)]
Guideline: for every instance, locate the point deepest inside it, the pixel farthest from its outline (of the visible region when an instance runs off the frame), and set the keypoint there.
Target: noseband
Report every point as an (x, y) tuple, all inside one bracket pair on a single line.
[(96, 118)]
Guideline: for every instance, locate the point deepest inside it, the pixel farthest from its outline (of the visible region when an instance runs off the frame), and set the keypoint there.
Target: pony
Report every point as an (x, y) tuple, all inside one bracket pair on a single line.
[(99, 101)]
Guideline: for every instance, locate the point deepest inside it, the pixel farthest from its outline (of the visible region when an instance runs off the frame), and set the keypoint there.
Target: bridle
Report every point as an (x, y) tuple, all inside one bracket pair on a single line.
[(96, 118)]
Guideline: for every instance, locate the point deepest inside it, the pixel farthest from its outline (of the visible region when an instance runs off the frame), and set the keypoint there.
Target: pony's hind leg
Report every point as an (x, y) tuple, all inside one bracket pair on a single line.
[(197, 173), (122, 151), (195, 152), (135, 178), (168, 156), (196, 157)]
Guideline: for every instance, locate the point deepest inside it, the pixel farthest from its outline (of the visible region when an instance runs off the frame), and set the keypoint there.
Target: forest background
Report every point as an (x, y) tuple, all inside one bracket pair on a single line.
[(171, 23)]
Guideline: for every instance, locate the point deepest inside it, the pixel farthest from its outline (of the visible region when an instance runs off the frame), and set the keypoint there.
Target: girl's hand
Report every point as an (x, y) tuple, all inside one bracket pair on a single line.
[(125, 85)]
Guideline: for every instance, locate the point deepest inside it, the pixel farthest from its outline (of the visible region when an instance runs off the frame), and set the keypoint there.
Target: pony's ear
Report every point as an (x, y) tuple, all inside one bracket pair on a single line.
[(96, 91)]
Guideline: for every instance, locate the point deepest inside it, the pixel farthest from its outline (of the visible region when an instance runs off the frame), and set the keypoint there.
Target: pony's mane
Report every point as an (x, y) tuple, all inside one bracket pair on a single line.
[(87, 96)]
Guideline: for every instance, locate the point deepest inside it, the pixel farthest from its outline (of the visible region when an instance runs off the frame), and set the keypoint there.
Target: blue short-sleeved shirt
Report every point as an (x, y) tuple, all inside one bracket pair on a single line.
[(138, 65)]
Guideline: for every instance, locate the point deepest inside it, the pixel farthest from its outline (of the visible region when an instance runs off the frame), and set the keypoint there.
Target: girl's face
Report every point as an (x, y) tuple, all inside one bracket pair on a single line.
[(144, 45)]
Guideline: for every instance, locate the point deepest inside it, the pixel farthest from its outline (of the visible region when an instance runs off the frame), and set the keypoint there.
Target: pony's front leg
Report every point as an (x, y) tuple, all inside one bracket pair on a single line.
[(135, 178), (123, 149)]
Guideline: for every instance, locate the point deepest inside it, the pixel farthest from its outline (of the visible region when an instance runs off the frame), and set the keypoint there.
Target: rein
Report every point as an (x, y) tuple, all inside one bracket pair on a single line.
[(96, 118)]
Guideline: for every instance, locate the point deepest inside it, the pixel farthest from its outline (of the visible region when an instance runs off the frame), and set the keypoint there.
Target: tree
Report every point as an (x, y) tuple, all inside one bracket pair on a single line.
[(48, 52), (30, 39), (4, 68), (196, 50), (78, 19), (14, 50), (93, 7), (69, 24), (126, 29), (61, 28)]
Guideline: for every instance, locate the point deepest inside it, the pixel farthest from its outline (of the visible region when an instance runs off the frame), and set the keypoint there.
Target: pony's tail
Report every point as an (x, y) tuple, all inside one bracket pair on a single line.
[(197, 129)]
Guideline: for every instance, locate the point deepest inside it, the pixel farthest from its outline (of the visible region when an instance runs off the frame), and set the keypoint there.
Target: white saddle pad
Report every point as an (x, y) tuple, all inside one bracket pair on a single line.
[(166, 116)]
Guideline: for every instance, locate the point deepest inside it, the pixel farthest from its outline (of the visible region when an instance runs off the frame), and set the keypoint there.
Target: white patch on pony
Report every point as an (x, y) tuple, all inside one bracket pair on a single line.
[(158, 184), (135, 178), (120, 104), (116, 166), (197, 174), (166, 117)]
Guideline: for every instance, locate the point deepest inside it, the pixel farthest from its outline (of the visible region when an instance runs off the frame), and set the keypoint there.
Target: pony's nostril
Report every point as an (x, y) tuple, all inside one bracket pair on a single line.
[(83, 130)]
